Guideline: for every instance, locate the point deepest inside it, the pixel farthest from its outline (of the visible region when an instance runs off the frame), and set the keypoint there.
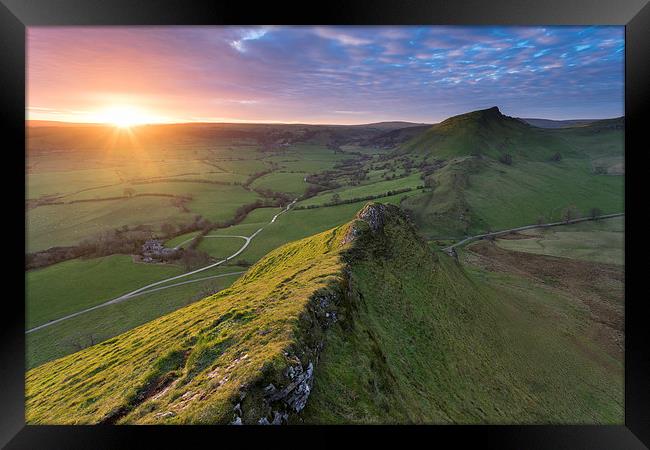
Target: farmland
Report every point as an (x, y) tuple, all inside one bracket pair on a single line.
[(198, 191)]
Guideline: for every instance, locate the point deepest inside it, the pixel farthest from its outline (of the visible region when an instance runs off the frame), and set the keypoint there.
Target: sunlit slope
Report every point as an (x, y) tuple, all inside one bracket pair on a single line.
[(431, 343), (547, 171), (361, 323), (189, 366), (488, 133)]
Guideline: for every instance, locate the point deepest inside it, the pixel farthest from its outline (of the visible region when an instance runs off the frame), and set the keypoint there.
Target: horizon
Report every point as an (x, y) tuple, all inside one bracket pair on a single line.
[(321, 124), (312, 75)]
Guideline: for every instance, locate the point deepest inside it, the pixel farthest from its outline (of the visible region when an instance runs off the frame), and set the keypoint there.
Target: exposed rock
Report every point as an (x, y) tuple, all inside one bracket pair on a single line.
[(373, 213), (295, 394), (263, 421), (237, 421), (279, 418)]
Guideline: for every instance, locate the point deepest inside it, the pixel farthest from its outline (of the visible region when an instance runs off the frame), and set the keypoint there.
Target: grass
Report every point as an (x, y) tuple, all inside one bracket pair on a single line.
[(435, 343), (67, 181), (508, 196), (96, 326), (213, 334), (70, 286), (419, 339), (601, 241), (297, 224), (380, 187), (289, 182), (181, 239), (61, 225), (220, 247)]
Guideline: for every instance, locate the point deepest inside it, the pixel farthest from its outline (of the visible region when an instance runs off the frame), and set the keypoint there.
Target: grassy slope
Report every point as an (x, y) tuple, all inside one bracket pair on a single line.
[(60, 225), (70, 286), (69, 336), (488, 133), (508, 196), (289, 182), (255, 317), (377, 188), (419, 339), (431, 344), (601, 241), (475, 192)]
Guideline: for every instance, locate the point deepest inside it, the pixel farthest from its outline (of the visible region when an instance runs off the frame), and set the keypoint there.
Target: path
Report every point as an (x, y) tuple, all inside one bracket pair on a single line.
[(147, 289), (450, 248)]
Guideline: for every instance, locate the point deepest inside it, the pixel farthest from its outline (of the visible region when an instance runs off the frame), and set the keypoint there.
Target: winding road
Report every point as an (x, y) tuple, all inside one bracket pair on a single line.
[(148, 288), (450, 248)]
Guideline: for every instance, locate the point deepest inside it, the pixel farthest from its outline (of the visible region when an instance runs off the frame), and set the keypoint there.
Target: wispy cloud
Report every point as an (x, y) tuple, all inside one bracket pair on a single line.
[(248, 35), (328, 74)]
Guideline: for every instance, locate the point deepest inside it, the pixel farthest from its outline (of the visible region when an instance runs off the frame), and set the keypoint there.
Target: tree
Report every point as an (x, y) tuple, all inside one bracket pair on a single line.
[(556, 157), (506, 158), (336, 198), (570, 213), (192, 258), (168, 228), (129, 192), (594, 213)]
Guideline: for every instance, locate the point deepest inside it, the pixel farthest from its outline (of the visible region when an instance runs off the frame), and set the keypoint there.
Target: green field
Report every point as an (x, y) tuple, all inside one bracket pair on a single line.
[(61, 225), (600, 241), (184, 239), (289, 182), (297, 224), (418, 339), (119, 366), (220, 247), (508, 196), (67, 182), (70, 286), (70, 336), (377, 188)]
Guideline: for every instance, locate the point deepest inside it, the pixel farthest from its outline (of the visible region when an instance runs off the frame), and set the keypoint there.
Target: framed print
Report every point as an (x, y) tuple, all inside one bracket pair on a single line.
[(385, 219)]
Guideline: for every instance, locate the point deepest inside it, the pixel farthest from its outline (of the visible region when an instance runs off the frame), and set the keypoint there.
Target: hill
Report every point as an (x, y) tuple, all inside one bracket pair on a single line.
[(395, 137), (549, 123), (486, 132), (360, 323), (493, 171)]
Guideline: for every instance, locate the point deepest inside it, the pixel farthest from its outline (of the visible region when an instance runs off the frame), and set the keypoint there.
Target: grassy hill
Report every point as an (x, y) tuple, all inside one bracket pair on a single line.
[(360, 323), (485, 132), (546, 171)]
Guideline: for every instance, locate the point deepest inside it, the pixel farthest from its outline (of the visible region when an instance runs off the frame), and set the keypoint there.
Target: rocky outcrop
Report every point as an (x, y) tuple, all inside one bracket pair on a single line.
[(374, 215), (272, 403)]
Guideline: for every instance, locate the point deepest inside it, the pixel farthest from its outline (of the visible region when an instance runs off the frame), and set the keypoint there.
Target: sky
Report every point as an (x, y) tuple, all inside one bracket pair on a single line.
[(322, 74)]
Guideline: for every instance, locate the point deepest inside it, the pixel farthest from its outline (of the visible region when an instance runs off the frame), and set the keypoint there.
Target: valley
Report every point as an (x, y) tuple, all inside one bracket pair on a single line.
[(265, 274)]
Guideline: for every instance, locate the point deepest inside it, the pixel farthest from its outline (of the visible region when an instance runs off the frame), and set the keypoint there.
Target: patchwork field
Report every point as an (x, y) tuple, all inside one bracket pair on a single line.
[(198, 191), (96, 326), (600, 241)]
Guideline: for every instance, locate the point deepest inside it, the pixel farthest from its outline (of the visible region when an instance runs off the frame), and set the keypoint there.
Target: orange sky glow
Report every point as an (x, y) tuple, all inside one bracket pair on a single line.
[(339, 75)]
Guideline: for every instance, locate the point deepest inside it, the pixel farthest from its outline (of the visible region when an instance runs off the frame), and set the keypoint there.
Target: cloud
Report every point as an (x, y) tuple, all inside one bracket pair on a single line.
[(341, 37), (248, 35)]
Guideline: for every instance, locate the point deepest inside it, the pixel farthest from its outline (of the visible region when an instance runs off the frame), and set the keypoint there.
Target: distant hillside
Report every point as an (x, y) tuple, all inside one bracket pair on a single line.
[(359, 324), (55, 123), (485, 132), (394, 125), (488, 171), (548, 123), (395, 137)]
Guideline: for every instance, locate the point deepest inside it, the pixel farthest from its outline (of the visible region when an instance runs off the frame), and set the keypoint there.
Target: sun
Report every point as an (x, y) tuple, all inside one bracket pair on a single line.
[(124, 116)]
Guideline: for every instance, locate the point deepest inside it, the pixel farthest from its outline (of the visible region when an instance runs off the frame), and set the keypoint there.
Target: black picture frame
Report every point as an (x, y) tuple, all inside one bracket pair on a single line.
[(16, 15)]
